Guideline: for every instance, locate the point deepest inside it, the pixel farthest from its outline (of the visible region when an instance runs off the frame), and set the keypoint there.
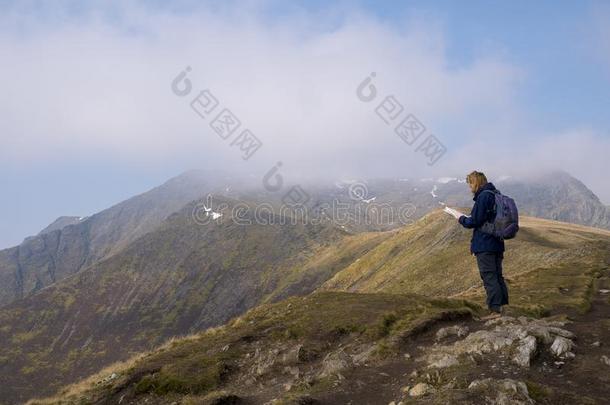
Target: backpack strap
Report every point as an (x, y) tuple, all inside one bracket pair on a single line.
[(493, 209)]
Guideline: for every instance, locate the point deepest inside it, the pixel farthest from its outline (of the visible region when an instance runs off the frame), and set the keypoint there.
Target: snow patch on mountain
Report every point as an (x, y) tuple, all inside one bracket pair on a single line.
[(213, 214)]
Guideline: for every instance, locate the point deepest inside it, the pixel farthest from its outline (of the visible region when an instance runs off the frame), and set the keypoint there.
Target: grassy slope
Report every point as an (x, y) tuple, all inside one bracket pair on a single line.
[(237, 356), (177, 280), (432, 258)]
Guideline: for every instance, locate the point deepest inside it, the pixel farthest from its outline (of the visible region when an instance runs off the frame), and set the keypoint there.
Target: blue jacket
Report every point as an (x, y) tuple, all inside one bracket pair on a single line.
[(482, 211)]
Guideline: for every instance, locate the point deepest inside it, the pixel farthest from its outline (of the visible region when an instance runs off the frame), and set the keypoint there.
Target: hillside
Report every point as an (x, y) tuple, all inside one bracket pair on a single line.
[(432, 258), (139, 298), (182, 277), (336, 348), (273, 351), (378, 348)]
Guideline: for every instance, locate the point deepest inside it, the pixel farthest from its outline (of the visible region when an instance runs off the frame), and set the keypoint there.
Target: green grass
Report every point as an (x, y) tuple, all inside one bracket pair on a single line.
[(319, 323), (166, 382), (537, 391)]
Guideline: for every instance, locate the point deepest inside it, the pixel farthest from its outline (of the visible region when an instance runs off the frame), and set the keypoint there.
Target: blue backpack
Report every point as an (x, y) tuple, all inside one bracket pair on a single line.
[(505, 224)]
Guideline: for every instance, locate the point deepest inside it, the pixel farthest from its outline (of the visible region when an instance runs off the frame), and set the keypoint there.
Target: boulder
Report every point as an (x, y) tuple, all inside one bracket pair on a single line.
[(562, 347), (525, 351), (455, 330)]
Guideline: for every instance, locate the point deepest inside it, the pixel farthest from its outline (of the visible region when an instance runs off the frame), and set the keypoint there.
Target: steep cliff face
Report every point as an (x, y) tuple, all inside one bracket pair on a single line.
[(561, 197), (67, 246)]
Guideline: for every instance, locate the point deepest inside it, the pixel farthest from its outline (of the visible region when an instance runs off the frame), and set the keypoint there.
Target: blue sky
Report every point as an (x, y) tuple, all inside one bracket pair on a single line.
[(88, 119)]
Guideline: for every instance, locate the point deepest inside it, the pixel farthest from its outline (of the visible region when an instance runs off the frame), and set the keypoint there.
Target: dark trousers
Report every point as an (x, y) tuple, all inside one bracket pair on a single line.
[(490, 269)]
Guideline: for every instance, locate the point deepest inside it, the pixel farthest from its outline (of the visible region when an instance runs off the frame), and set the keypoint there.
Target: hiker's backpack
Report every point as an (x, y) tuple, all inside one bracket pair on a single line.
[(506, 220)]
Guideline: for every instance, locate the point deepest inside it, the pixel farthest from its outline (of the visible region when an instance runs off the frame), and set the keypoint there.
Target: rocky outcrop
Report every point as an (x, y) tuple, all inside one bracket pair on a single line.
[(520, 339)]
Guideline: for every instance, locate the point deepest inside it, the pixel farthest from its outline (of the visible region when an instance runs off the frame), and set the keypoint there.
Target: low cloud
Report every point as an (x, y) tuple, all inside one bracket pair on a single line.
[(91, 86), (582, 153)]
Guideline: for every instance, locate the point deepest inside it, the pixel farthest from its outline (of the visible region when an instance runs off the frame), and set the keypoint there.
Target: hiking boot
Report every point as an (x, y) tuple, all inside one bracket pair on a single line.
[(492, 315)]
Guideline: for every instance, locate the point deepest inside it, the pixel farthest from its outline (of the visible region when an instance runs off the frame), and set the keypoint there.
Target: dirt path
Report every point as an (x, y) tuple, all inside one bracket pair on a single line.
[(587, 375)]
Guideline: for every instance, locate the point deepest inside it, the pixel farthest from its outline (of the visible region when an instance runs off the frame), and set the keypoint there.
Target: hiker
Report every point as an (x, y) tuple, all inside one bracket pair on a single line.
[(488, 249)]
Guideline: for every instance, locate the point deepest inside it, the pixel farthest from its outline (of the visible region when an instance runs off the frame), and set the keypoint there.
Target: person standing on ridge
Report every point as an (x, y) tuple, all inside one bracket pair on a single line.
[(488, 249)]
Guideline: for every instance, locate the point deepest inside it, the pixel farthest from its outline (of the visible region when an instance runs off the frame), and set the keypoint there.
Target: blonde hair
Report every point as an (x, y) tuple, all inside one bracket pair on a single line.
[(476, 180)]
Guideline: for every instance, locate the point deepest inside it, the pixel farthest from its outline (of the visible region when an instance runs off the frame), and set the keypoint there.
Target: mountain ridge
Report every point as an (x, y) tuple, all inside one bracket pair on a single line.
[(182, 277), (185, 277), (69, 245), (59, 251), (335, 344)]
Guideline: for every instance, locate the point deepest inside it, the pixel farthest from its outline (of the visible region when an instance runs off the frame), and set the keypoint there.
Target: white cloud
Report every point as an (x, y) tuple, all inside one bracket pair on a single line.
[(99, 87), (94, 87), (582, 153)]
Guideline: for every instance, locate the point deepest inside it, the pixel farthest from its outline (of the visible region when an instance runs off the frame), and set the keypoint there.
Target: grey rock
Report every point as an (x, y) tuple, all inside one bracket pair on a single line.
[(421, 389), (561, 332), (454, 330), (525, 351), (507, 391), (561, 347), (515, 338), (335, 362), (443, 361)]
